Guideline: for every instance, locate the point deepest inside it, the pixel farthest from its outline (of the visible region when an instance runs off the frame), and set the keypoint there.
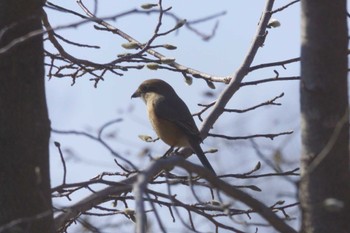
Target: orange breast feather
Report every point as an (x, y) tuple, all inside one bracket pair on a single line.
[(166, 130)]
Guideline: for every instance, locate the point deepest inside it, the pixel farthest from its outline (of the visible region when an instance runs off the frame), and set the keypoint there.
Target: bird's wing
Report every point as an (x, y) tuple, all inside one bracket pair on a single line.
[(176, 111)]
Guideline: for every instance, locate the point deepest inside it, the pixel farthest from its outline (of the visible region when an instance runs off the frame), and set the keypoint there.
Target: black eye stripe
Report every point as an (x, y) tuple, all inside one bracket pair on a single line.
[(147, 88)]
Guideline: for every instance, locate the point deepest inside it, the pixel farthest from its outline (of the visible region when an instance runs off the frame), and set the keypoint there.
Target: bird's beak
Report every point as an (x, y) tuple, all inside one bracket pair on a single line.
[(136, 94)]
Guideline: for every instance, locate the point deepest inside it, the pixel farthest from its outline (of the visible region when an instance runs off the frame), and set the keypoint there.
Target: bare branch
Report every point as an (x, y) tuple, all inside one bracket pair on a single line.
[(243, 176), (268, 102), (236, 79), (75, 43), (284, 7), (270, 136), (145, 48), (279, 63), (269, 80), (58, 145), (99, 140)]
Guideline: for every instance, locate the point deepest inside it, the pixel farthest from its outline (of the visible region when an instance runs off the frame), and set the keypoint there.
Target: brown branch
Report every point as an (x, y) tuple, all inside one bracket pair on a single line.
[(75, 43), (99, 140), (279, 63), (87, 203), (284, 7), (190, 208), (60, 8), (61, 50), (217, 183), (243, 176), (270, 136), (236, 79), (205, 37), (157, 166), (207, 106), (61, 188), (182, 68), (58, 145), (269, 80), (269, 102), (156, 214)]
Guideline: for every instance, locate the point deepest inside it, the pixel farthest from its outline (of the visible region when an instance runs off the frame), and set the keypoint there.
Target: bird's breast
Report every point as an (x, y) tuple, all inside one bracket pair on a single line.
[(167, 130)]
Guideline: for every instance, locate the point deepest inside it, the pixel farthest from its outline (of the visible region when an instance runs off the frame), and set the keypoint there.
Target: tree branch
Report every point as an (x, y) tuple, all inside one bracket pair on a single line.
[(236, 79)]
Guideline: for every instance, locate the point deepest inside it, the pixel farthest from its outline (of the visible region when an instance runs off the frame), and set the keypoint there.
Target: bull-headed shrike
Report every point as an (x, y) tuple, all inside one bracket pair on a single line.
[(170, 117)]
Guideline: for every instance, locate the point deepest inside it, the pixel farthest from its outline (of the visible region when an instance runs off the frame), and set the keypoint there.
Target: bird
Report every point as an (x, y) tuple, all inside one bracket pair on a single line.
[(170, 117)]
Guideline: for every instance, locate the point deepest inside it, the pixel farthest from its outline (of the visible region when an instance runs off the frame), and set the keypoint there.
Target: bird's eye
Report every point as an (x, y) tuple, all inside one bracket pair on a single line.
[(148, 88), (145, 88)]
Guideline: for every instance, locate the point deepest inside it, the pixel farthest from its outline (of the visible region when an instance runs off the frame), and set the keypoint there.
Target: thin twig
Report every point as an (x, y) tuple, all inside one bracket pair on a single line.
[(270, 136), (58, 145), (284, 7), (99, 140), (279, 63), (243, 176), (268, 102), (269, 80)]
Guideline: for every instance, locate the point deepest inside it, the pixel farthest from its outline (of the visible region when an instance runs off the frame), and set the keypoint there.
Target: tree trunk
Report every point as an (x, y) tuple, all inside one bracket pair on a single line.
[(25, 200), (324, 186)]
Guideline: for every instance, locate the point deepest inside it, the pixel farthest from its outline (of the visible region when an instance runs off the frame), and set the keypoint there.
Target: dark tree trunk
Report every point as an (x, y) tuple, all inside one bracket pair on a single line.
[(25, 201), (324, 187)]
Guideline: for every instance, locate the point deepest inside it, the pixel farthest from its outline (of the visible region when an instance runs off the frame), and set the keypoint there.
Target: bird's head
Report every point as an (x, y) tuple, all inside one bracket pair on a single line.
[(151, 87)]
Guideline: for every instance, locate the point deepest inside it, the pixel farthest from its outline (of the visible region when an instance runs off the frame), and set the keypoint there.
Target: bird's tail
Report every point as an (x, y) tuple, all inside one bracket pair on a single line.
[(199, 152)]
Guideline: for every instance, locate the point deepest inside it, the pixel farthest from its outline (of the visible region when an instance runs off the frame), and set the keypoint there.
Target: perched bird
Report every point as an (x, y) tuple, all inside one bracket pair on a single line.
[(170, 117)]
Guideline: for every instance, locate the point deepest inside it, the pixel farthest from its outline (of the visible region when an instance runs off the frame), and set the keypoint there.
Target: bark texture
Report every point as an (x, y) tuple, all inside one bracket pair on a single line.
[(25, 200), (324, 186)]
